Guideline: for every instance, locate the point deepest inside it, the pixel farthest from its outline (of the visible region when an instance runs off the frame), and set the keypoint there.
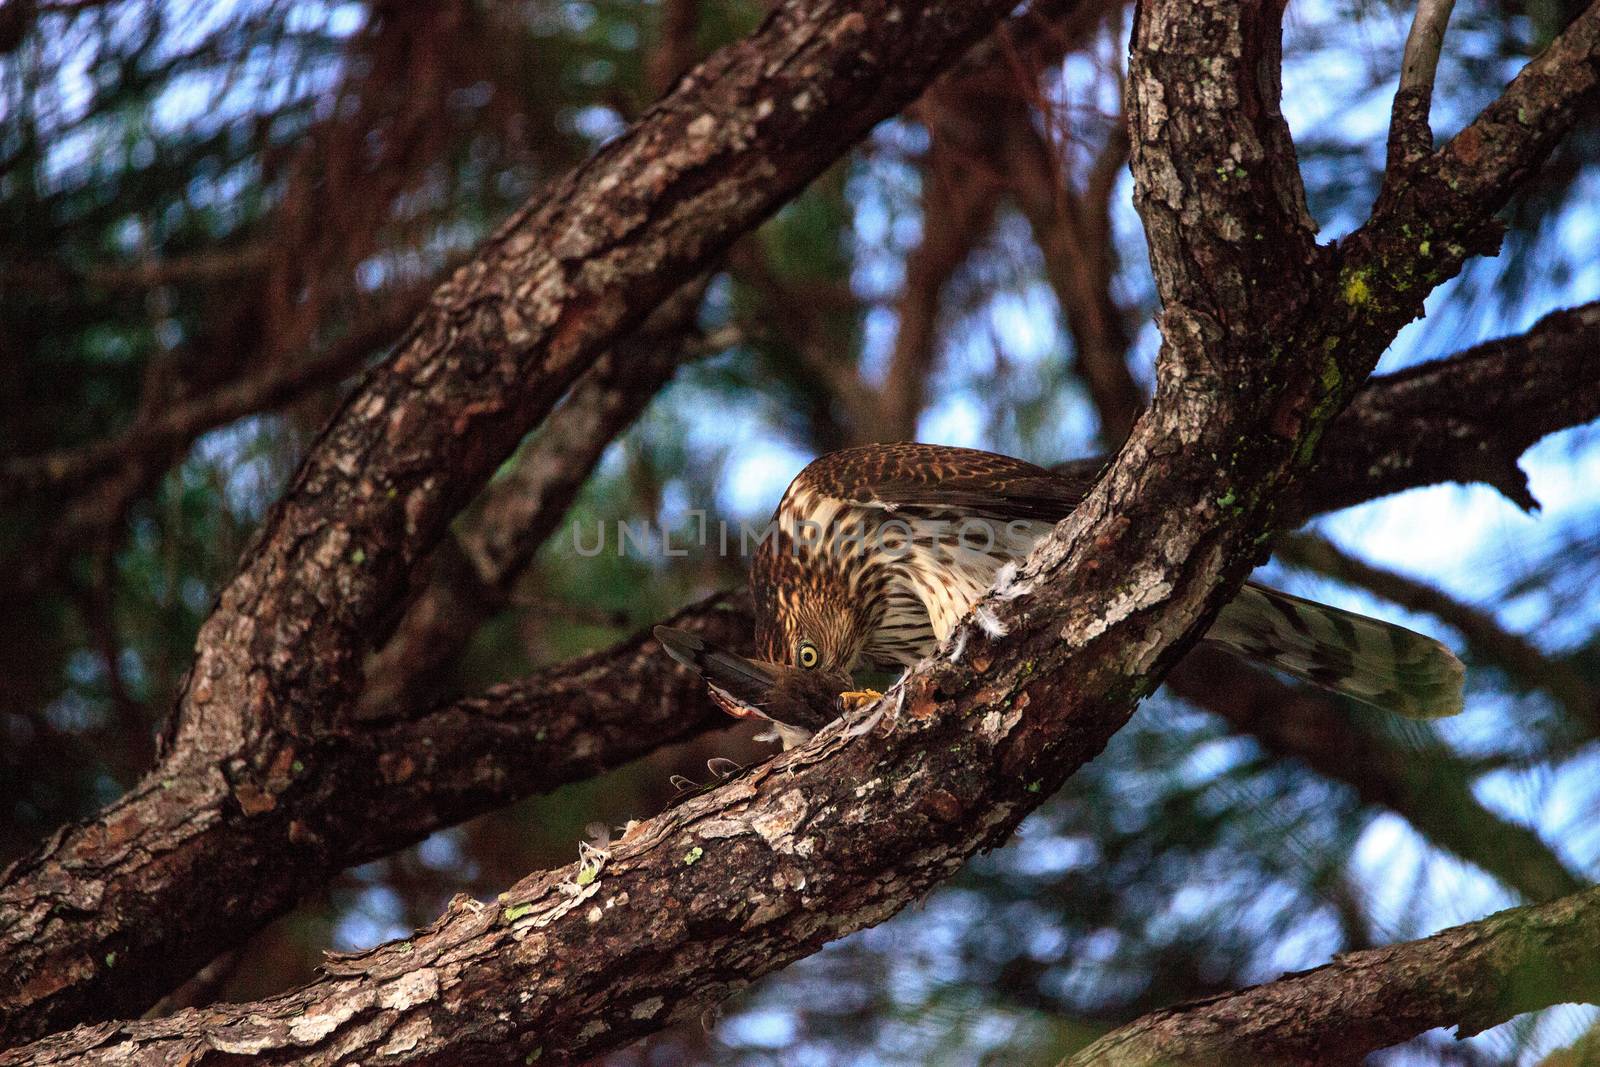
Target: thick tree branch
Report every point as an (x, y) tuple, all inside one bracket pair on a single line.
[(1441, 208), (279, 661), (841, 834), (1463, 419), (1471, 977), (479, 754), (401, 778), (845, 831), (473, 575)]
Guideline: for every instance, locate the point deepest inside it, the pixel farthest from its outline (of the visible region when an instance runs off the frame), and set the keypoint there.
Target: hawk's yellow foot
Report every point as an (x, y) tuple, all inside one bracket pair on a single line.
[(857, 699)]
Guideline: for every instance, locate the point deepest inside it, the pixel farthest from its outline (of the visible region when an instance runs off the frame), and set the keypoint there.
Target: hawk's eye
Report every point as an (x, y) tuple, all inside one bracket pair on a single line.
[(807, 655)]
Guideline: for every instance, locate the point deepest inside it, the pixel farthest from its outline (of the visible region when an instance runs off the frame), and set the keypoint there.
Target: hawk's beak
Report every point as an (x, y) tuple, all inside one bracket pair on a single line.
[(739, 685)]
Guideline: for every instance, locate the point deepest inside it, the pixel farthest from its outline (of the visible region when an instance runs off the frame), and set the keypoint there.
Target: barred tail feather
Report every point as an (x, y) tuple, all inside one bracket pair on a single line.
[(1369, 660)]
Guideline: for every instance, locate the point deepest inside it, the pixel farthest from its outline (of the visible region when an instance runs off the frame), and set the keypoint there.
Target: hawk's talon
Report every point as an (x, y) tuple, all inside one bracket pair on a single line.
[(857, 699)]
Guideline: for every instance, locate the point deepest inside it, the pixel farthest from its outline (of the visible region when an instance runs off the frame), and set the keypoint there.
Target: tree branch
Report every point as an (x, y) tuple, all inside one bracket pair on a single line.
[(958, 200), (1409, 136), (674, 52), (475, 755), (1073, 233), (1110, 601), (843, 832), (279, 661), (208, 268), (1463, 419), (1440, 209), (173, 427), (473, 574), (1472, 977)]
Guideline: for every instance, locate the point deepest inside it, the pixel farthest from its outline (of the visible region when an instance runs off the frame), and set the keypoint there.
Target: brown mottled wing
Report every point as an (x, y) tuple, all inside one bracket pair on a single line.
[(965, 480)]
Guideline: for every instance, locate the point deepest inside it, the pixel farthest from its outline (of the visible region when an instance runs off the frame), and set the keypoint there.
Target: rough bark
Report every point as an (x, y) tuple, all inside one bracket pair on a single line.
[(1410, 137), (473, 574), (1471, 977), (1464, 419), (845, 831), (168, 874), (475, 755)]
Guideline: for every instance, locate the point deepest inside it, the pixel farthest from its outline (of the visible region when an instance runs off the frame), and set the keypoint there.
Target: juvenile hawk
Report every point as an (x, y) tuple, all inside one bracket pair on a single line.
[(877, 552)]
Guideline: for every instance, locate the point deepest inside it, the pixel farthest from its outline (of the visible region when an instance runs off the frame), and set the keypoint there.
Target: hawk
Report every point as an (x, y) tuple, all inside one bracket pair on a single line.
[(876, 553)]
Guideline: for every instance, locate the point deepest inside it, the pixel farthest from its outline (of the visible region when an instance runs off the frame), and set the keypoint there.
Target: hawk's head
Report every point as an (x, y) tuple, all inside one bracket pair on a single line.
[(806, 616)]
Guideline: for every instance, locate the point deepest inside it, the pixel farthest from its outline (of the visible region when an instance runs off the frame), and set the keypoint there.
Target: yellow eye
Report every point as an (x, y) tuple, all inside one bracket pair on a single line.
[(807, 656)]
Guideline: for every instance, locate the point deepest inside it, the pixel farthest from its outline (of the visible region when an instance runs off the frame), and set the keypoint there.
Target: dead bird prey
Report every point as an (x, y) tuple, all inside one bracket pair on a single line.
[(876, 553), (798, 703)]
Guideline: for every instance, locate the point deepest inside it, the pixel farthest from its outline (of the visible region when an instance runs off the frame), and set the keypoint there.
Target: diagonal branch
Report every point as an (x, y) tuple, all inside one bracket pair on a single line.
[(278, 663), (1463, 419), (479, 754), (175, 426), (1114, 596), (1471, 977), (473, 575), (1438, 210)]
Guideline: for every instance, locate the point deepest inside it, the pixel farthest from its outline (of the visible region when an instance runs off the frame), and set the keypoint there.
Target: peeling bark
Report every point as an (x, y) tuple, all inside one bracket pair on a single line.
[(472, 576), (844, 832)]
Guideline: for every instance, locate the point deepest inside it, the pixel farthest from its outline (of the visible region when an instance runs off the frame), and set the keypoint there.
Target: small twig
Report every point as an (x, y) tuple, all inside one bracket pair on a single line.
[(1410, 137), (1424, 43), (675, 50), (224, 266)]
